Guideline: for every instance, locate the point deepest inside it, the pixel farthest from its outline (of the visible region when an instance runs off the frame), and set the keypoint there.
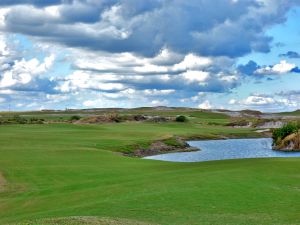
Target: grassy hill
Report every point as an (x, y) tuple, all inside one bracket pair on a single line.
[(293, 113), (75, 174)]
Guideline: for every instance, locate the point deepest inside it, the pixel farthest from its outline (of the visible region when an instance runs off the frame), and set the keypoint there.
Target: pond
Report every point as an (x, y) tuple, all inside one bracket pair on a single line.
[(226, 149)]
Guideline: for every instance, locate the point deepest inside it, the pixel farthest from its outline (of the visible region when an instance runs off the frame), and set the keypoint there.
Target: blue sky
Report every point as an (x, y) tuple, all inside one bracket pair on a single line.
[(229, 54)]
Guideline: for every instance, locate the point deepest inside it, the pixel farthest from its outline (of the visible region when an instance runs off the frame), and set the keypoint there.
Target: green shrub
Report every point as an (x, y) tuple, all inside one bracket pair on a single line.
[(75, 117), (281, 133), (19, 119), (181, 118), (35, 120)]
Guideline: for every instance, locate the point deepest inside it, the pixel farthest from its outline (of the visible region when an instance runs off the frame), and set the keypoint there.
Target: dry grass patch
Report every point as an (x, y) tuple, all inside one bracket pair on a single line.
[(3, 183), (84, 220)]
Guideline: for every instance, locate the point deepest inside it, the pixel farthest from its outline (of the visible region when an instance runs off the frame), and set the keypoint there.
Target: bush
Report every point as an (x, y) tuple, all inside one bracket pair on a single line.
[(19, 119), (35, 121), (181, 119), (16, 119), (281, 133), (75, 117)]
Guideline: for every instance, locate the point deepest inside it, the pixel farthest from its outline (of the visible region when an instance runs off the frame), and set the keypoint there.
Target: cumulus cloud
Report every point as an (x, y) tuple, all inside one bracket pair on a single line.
[(134, 52), (188, 73), (23, 71), (253, 69), (264, 102), (191, 62), (205, 105), (84, 80), (258, 100), (167, 76), (23, 78), (219, 28), (280, 68)]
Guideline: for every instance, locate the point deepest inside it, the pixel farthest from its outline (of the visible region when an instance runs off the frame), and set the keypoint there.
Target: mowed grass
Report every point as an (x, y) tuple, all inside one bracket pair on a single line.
[(66, 170)]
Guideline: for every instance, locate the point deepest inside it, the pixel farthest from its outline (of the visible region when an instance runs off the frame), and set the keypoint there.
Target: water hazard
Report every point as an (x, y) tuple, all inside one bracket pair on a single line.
[(226, 149)]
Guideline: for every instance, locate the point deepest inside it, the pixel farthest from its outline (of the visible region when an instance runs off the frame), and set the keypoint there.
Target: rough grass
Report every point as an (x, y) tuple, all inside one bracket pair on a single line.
[(3, 183), (293, 113), (83, 220), (68, 170), (195, 115)]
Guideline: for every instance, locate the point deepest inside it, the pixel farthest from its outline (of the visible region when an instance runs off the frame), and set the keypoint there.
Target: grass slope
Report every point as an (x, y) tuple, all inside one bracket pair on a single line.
[(293, 113), (66, 170)]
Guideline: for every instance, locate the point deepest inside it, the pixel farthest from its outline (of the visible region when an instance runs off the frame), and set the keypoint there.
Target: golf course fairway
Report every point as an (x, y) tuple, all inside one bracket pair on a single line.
[(70, 170)]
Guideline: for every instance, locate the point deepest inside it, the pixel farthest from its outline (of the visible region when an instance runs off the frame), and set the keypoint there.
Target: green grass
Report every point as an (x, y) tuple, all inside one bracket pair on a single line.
[(195, 115), (66, 170), (292, 113)]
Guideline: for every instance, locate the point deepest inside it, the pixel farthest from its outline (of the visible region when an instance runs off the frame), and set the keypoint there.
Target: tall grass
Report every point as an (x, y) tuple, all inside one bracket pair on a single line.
[(280, 133)]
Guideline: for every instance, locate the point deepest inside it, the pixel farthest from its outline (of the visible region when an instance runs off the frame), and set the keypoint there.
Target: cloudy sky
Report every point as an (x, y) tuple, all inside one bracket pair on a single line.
[(231, 54)]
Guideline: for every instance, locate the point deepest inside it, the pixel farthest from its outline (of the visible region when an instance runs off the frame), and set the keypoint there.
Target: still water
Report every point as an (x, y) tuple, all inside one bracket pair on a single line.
[(226, 149)]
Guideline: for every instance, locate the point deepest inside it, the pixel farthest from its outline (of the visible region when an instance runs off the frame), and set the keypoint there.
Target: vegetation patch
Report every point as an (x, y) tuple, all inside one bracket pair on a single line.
[(3, 183), (173, 144), (181, 118), (118, 118), (16, 119), (239, 123), (75, 118), (83, 220), (287, 138)]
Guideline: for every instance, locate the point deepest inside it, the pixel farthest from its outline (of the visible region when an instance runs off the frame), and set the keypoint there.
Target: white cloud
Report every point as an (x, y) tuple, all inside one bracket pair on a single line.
[(280, 68), (6, 91), (53, 11), (90, 103), (166, 57), (195, 76), (86, 80), (233, 101), (258, 100), (23, 71), (149, 68), (3, 13), (264, 103), (4, 50), (192, 62), (158, 102), (205, 105), (158, 92)]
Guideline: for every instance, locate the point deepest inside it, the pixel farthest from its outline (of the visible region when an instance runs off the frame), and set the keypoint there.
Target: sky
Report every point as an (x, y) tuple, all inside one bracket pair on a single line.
[(221, 54)]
